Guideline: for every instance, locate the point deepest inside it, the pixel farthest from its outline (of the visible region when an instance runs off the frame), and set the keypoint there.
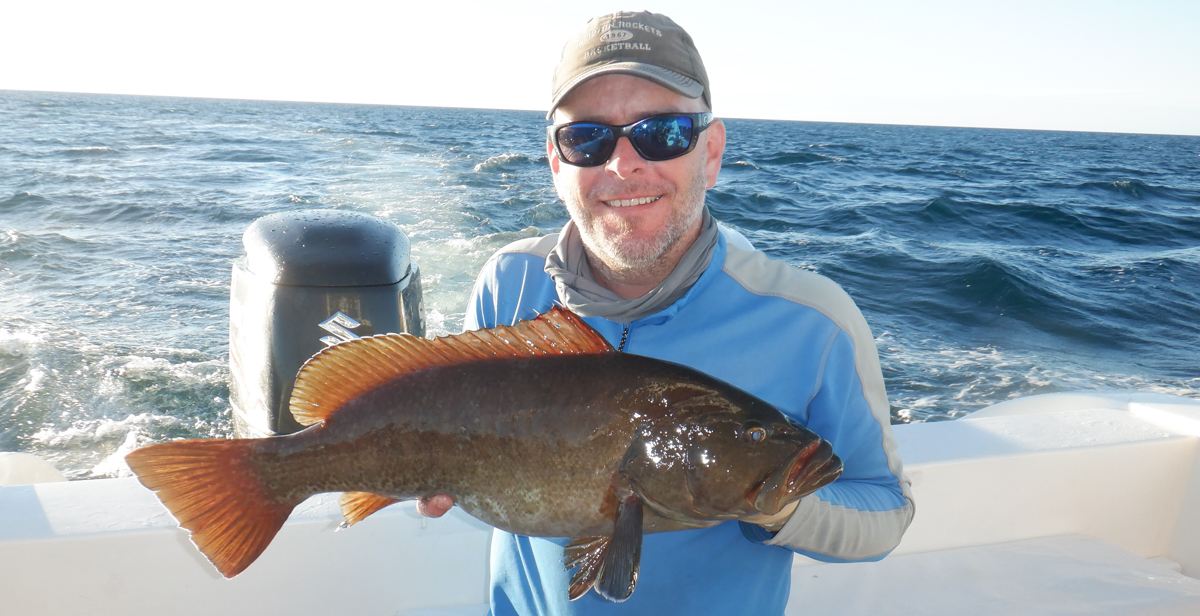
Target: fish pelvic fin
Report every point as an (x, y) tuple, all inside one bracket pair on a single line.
[(586, 554), (356, 506), (212, 490), (609, 564), (346, 370)]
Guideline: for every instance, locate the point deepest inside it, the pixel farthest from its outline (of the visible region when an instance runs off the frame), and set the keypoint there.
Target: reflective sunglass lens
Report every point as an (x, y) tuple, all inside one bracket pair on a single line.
[(663, 137), (586, 144)]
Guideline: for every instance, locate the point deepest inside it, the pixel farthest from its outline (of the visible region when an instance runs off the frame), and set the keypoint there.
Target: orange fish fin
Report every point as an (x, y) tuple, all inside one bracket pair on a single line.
[(346, 370), (586, 554), (356, 506), (211, 489)]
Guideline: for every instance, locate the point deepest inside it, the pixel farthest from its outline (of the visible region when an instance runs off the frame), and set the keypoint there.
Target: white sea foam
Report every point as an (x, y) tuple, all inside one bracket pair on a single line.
[(930, 379), (162, 370), (104, 428), (110, 439), (33, 382), (436, 325), (114, 465), (497, 163), (20, 341)]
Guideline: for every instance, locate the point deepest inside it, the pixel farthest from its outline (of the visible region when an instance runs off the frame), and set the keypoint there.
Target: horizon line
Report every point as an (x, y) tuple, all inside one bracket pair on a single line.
[(542, 112)]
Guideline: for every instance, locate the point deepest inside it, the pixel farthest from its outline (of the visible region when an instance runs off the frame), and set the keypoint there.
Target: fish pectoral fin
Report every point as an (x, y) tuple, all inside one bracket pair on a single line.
[(356, 506), (609, 564), (618, 572), (586, 554)]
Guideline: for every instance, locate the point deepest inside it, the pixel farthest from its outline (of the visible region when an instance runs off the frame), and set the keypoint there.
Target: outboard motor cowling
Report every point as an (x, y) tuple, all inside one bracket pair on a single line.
[(310, 279)]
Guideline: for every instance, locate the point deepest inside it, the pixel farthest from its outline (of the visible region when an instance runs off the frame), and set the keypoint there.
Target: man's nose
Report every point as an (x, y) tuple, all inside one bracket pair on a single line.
[(625, 161)]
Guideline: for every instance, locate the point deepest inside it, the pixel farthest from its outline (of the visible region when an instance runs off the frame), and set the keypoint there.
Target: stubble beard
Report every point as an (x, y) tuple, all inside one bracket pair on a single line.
[(622, 256)]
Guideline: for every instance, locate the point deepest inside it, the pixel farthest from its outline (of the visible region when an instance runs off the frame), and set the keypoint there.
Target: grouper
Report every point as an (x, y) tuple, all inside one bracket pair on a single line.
[(539, 429)]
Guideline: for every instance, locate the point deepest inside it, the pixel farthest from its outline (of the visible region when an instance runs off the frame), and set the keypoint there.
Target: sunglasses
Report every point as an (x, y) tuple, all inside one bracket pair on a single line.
[(661, 137)]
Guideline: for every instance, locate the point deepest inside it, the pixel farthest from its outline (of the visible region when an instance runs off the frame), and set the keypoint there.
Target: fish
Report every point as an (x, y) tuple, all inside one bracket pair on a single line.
[(540, 429)]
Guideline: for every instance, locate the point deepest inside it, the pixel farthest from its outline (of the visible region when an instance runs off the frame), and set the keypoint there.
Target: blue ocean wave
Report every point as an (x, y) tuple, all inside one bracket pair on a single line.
[(510, 163), (388, 133), (22, 199), (243, 156), (844, 147), (931, 173), (1139, 190), (92, 151), (800, 158)]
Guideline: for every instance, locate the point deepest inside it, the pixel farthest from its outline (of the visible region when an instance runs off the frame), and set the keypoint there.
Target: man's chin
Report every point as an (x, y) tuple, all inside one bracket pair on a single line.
[(630, 253), (632, 257)]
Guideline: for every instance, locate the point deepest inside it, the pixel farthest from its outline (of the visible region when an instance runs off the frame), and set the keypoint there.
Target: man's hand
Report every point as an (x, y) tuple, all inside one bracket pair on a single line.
[(435, 506), (774, 522)]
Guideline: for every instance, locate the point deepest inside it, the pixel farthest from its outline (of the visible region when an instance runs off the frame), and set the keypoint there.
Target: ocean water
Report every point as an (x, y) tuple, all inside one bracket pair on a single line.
[(990, 264)]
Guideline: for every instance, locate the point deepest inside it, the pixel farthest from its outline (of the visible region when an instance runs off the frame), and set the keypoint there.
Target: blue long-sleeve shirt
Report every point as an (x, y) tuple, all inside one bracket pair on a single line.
[(790, 337)]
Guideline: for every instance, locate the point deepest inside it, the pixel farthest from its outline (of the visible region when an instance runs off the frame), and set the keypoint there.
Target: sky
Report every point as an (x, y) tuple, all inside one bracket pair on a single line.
[(1094, 65)]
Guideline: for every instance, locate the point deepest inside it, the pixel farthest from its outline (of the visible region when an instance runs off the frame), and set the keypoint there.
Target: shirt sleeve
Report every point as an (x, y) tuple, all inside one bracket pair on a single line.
[(525, 293), (481, 307), (863, 515)]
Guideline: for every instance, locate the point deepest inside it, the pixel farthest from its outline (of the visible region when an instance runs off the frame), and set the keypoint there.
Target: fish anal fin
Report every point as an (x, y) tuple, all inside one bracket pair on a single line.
[(346, 370), (211, 489), (618, 573), (586, 554), (356, 506)]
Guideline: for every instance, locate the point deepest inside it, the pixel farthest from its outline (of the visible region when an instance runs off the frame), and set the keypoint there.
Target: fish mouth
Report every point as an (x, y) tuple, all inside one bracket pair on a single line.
[(813, 467)]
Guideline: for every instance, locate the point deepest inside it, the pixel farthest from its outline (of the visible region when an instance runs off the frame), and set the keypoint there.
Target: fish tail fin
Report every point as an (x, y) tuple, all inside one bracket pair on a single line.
[(212, 490)]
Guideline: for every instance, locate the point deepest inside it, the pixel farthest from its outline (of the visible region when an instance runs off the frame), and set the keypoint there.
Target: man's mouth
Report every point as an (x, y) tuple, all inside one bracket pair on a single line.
[(629, 202)]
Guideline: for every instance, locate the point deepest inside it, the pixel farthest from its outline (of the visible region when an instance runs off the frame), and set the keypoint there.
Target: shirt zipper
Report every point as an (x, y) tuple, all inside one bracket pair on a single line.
[(624, 339)]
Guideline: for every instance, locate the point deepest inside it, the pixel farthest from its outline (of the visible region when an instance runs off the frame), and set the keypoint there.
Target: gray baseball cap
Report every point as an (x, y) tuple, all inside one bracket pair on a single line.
[(642, 44)]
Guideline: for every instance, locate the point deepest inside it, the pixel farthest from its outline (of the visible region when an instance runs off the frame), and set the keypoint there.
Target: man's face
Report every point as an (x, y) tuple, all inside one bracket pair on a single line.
[(635, 214)]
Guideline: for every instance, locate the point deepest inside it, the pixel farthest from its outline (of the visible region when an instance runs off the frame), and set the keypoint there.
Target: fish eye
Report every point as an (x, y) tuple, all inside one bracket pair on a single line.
[(754, 433)]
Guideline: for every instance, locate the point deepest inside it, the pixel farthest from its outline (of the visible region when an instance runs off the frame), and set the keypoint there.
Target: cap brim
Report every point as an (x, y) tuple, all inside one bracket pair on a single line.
[(680, 84)]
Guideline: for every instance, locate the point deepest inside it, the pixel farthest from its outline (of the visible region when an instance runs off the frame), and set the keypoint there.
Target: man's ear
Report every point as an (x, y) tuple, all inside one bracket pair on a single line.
[(552, 156), (714, 148)]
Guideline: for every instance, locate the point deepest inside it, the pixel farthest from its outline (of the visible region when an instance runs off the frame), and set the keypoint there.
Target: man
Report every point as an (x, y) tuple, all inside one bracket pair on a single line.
[(632, 151)]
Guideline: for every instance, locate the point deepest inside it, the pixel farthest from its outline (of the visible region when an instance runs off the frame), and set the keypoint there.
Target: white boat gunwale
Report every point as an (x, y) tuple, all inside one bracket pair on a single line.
[(1104, 487)]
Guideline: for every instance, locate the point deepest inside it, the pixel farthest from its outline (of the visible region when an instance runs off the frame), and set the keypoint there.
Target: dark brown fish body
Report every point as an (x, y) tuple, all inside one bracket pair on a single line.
[(528, 445), (560, 445)]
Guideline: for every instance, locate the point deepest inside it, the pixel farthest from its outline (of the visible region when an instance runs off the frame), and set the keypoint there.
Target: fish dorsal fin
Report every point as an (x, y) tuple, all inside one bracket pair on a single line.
[(344, 371)]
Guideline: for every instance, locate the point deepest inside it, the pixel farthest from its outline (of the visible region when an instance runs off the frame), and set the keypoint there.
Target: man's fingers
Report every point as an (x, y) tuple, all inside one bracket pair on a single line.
[(435, 506), (774, 522)]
